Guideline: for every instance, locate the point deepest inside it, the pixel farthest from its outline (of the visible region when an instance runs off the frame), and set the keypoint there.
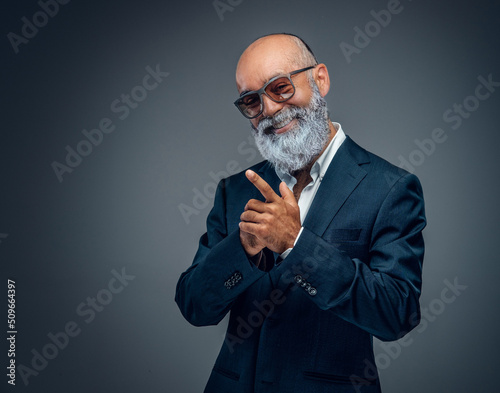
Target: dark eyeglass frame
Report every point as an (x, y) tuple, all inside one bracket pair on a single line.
[(262, 90)]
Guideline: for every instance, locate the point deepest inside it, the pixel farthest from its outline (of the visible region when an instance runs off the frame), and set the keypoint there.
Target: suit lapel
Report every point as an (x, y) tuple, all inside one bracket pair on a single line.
[(268, 173), (340, 180)]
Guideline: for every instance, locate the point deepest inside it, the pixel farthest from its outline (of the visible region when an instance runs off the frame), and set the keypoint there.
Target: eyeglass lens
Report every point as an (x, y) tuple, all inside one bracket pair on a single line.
[(279, 90)]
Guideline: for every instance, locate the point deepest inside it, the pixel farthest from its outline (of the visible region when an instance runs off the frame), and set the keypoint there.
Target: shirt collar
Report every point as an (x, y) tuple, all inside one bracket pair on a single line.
[(320, 166)]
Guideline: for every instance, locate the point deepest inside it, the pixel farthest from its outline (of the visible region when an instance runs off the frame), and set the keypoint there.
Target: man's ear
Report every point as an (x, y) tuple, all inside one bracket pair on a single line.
[(322, 79)]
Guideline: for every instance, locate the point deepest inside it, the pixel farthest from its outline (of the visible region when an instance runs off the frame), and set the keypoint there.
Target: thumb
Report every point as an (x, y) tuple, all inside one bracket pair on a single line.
[(287, 194)]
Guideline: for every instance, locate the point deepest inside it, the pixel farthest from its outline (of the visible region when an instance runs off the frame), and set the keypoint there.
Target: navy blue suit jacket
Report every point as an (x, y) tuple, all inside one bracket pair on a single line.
[(306, 325)]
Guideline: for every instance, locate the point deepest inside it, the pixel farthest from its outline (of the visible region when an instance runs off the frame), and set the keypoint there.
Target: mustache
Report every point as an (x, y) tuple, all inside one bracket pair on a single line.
[(268, 125)]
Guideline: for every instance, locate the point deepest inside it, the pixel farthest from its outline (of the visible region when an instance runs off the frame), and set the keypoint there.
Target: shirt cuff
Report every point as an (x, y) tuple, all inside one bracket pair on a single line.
[(285, 253)]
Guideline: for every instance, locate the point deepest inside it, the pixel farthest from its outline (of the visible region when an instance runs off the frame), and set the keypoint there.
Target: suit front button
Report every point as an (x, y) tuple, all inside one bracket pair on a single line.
[(312, 291)]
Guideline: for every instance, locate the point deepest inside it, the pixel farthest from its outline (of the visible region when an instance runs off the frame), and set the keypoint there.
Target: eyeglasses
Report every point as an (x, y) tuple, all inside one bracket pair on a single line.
[(278, 89)]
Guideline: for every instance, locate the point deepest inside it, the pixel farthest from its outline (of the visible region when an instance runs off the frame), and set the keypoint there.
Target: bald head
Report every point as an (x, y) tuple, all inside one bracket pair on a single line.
[(296, 50), (275, 52)]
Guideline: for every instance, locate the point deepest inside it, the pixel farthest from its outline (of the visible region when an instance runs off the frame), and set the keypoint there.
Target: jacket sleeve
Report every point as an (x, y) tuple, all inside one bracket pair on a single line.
[(381, 294), (220, 272)]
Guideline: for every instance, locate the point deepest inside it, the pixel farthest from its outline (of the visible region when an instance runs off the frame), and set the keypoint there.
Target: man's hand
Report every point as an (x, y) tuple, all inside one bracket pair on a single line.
[(250, 243), (274, 224)]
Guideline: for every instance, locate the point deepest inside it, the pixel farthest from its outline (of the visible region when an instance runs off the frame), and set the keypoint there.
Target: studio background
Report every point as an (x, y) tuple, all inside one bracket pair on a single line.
[(135, 205)]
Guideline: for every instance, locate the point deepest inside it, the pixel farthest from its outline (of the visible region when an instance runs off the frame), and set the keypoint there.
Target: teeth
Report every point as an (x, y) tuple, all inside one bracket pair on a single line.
[(282, 124)]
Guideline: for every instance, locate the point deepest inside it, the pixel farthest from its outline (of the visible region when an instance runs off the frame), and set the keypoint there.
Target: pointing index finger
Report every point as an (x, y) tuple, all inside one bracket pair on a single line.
[(264, 188)]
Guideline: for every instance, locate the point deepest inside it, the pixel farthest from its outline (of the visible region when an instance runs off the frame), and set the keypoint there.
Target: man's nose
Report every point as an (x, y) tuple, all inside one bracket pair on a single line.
[(270, 107)]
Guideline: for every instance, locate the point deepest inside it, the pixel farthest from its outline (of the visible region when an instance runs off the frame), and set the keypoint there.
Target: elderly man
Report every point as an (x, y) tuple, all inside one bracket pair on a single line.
[(313, 251)]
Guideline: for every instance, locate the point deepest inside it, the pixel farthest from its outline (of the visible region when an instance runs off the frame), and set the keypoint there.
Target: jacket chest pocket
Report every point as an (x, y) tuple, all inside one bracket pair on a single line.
[(342, 235)]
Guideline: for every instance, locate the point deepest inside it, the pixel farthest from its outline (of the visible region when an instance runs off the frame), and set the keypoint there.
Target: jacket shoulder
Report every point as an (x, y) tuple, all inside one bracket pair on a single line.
[(375, 165)]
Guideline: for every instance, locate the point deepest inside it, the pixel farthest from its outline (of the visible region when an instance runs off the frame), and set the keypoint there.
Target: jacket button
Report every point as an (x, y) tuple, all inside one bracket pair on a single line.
[(312, 291), (233, 280), (298, 279)]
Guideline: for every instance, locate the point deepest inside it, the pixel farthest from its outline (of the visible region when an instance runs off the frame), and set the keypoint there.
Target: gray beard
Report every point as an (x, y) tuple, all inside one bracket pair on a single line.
[(297, 147)]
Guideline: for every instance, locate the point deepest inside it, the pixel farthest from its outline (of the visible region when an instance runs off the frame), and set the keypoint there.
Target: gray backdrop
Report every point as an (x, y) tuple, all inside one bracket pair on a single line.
[(80, 208)]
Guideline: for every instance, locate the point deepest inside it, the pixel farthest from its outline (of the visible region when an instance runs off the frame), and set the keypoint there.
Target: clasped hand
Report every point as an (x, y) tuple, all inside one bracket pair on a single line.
[(274, 224)]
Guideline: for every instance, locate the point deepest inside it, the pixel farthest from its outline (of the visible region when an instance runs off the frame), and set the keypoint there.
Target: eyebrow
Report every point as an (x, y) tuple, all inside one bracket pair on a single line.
[(267, 80)]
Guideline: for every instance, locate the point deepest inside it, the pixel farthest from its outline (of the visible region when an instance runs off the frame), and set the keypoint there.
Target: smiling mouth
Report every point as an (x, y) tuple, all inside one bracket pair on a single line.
[(281, 127), (282, 124)]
